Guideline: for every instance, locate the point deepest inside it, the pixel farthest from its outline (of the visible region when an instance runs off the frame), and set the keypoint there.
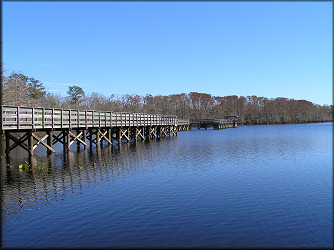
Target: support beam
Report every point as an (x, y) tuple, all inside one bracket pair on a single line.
[(49, 141), (7, 144), (119, 132), (141, 133), (59, 138), (68, 140), (103, 135), (76, 138), (90, 138), (30, 144), (109, 136), (152, 132), (125, 132), (163, 131), (97, 138), (17, 142), (128, 134), (85, 137), (147, 132), (40, 141), (2, 152)]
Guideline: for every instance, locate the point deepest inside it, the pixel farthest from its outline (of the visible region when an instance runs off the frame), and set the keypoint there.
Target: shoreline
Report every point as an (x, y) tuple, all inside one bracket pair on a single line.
[(291, 123)]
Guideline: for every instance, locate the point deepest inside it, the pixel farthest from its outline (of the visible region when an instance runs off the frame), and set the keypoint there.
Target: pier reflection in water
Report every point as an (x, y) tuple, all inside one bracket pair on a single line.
[(255, 186), (55, 176)]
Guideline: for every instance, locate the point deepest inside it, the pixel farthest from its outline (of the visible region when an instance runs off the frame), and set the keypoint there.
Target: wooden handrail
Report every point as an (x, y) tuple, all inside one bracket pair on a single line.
[(34, 118)]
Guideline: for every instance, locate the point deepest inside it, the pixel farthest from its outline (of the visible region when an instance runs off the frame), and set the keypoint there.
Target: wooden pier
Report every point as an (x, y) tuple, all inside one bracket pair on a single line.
[(183, 125), (226, 122), (29, 128)]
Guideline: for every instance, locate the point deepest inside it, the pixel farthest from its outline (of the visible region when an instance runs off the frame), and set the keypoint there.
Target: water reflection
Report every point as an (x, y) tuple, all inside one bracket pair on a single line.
[(255, 186), (56, 176)]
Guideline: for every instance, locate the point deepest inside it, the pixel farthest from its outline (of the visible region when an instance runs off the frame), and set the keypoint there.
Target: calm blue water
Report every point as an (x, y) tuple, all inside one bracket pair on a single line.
[(251, 186)]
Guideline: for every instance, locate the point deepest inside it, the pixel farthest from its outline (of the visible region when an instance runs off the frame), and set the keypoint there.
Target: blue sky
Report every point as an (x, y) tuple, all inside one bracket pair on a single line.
[(271, 49)]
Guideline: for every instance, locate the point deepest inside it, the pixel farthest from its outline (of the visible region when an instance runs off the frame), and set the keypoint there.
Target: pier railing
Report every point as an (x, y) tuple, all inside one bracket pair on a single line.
[(23, 118), (66, 126), (183, 122), (212, 121)]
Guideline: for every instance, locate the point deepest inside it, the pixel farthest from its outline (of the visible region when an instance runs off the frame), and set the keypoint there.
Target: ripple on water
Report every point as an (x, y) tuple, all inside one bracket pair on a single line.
[(255, 186)]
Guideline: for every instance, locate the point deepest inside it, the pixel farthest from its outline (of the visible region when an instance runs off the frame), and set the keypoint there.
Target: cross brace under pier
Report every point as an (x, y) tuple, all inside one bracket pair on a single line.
[(30, 140)]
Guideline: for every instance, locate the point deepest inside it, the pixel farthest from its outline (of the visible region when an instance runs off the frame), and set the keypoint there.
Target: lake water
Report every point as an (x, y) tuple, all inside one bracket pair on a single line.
[(251, 186)]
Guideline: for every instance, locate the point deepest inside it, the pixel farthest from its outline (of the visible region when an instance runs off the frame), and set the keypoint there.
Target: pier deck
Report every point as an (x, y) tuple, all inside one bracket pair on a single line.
[(226, 122)]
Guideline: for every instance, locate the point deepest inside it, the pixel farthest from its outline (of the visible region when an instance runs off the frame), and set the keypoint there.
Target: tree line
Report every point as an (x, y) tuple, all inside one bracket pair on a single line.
[(20, 90)]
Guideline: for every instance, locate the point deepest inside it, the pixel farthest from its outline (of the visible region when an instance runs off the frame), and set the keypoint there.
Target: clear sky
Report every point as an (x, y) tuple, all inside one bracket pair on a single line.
[(271, 49)]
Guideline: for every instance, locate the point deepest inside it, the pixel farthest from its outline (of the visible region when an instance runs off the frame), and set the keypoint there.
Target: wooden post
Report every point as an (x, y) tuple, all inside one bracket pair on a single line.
[(128, 134), (136, 133), (109, 149), (85, 137), (61, 118), (90, 138), (149, 133), (30, 144), (31, 161), (97, 138), (53, 118), (85, 122), (78, 120), (49, 141), (33, 118), (3, 149), (2, 140), (64, 141), (78, 132), (101, 140), (7, 145), (50, 160), (43, 118), (143, 130), (18, 118), (110, 136), (69, 119), (119, 136), (68, 139)]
